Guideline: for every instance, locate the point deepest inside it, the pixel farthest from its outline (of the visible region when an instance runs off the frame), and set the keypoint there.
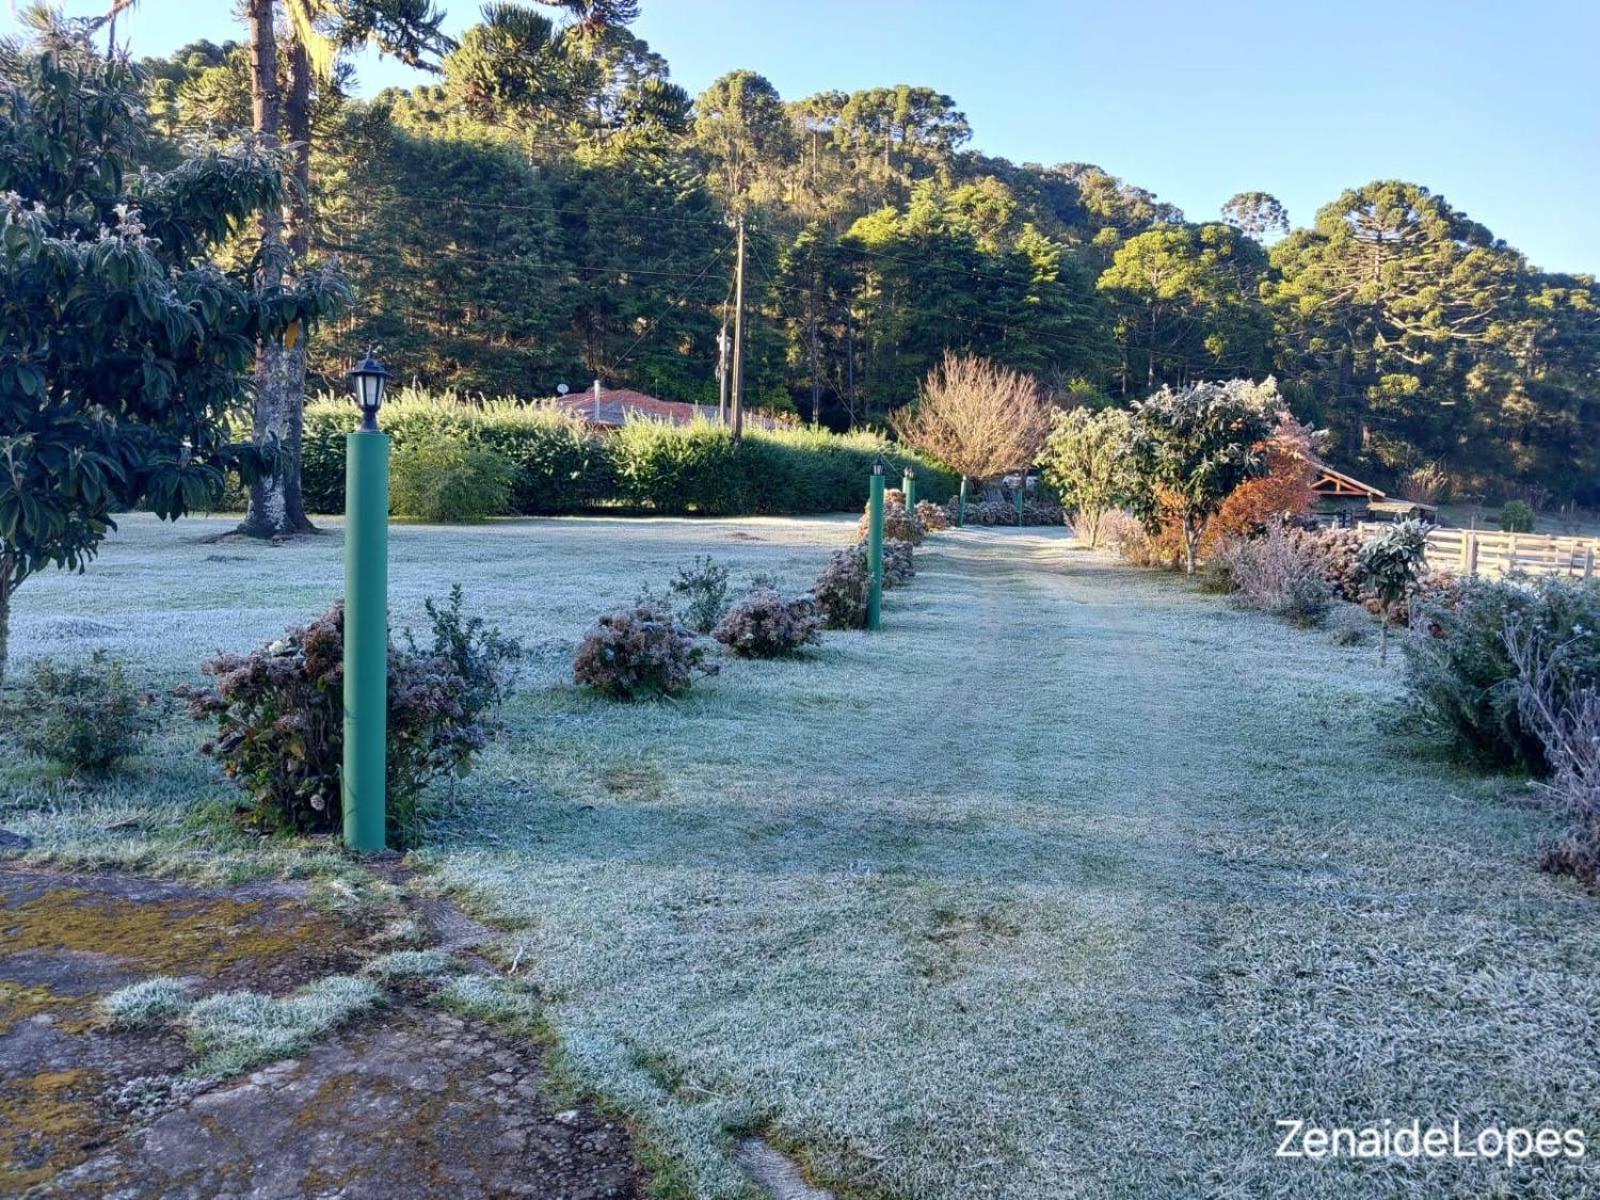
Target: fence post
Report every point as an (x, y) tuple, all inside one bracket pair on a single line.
[(1472, 552), (1588, 562)]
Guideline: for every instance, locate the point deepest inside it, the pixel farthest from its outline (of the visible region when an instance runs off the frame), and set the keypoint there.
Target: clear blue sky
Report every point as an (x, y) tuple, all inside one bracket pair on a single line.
[(1491, 104)]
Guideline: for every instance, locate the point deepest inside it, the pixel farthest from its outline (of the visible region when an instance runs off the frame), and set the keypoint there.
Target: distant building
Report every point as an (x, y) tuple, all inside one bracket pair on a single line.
[(1344, 498), (610, 408)]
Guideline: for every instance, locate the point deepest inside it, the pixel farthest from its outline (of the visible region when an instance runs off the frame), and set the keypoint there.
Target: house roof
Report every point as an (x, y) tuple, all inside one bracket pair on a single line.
[(1335, 484), (612, 408)]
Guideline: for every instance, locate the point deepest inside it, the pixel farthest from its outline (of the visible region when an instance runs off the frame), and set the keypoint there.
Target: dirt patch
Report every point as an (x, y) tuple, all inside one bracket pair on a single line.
[(413, 1102)]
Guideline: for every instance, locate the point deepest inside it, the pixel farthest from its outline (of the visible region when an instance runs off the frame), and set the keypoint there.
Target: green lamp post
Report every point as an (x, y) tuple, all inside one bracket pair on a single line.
[(875, 547), (1022, 491), (363, 784), (961, 503), (908, 484)]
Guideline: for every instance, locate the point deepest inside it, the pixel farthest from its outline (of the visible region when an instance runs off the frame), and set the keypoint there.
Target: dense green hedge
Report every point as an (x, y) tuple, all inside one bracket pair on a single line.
[(562, 467)]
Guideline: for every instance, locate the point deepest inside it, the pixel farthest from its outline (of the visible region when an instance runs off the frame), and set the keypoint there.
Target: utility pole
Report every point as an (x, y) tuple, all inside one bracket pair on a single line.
[(722, 370), (816, 382), (850, 359), (738, 339)]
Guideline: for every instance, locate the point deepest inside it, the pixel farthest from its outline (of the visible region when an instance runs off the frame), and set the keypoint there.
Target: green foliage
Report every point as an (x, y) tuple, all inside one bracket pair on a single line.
[(450, 481), (83, 716), (765, 625), (1388, 567), (280, 719), (1086, 461), (1517, 517), (485, 659), (704, 588), (125, 347), (640, 651), (1462, 674), (558, 465), (1193, 447)]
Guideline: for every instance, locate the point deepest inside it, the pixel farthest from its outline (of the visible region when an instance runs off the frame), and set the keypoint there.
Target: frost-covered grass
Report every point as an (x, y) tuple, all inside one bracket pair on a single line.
[(410, 964), (146, 1002), (236, 1031), (1070, 883)]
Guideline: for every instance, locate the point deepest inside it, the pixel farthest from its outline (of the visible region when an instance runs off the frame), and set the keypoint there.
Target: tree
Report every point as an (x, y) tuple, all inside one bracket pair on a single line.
[(1185, 301), (1256, 214), (1388, 566), (1193, 446), (976, 417), (1086, 461), (741, 126), (123, 347)]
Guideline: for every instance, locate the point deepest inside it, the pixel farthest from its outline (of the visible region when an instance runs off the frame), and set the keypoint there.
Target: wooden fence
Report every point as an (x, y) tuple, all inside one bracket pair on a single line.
[(1490, 553)]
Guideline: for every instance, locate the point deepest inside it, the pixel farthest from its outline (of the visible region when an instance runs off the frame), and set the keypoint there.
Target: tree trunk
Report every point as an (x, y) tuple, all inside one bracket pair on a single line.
[(276, 506), (8, 566), (1191, 543)]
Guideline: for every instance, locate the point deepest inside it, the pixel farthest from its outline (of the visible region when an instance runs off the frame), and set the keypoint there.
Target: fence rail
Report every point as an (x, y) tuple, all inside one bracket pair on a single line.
[(1490, 553)]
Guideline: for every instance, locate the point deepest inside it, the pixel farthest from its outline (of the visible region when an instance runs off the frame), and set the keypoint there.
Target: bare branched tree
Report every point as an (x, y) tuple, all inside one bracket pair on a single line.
[(976, 417)]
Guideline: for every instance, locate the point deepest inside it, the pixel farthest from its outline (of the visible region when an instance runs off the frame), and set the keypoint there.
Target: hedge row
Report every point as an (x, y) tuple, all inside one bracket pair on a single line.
[(561, 466)]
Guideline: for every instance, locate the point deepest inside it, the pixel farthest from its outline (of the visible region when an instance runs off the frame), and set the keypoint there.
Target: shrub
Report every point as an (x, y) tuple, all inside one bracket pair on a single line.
[(1462, 674), (639, 651), (898, 564), (899, 525), (280, 721), (1517, 517), (843, 589), (765, 625), (1350, 626), (486, 660), (1390, 565), (560, 465), (1278, 574), (450, 481), (1134, 543), (704, 586), (934, 517), (1035, 511), (83, 716), (1566, 721)]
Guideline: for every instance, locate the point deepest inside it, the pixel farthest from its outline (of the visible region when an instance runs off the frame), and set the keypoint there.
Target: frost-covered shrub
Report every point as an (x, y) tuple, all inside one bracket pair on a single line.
[(1276, 573), (83, 716), (934, 517), (703, 587), (485, 658), (843, 589), (899, 525), (280, 719), (1463, 677), (642, 650), (1036, 510), (765, 625), (899, 564), (450, 480)]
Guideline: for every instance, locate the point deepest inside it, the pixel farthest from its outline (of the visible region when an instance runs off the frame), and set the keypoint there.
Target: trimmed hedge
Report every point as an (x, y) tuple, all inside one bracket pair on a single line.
[(561, 466)]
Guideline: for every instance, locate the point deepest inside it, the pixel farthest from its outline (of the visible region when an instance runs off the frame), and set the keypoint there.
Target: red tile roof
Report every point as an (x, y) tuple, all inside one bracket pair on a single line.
[(614, 406)]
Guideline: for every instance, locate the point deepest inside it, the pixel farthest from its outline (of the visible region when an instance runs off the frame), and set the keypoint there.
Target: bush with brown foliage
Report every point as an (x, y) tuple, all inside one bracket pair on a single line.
[(899, 565), (765, 625), (280, 723), (641, 650), (934, 517), (899, 525)]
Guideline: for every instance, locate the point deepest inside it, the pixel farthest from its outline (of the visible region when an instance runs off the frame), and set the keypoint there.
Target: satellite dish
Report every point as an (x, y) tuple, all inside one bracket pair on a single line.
[(562, 389)]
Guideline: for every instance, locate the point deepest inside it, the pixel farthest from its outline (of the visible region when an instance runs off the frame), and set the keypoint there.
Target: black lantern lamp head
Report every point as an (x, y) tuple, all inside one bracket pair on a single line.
[(878, 465), (911, 472), (369, 380)]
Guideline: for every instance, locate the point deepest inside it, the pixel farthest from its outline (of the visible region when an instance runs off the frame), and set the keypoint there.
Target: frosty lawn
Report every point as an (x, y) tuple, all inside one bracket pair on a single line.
[(1072, 882)]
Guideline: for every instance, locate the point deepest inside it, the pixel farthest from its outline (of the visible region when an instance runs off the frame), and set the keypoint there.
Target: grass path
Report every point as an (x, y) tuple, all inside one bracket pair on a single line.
[(1070, 883)]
